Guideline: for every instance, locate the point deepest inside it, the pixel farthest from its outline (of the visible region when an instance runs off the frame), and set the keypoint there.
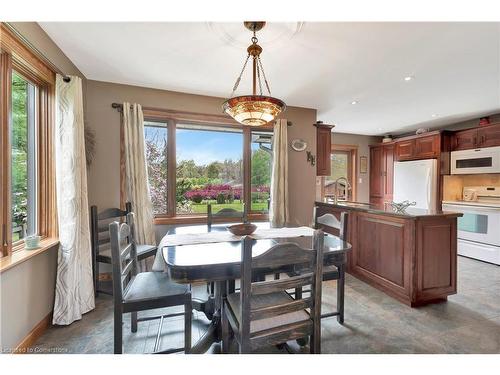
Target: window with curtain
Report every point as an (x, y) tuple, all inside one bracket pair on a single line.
[(192, 165)]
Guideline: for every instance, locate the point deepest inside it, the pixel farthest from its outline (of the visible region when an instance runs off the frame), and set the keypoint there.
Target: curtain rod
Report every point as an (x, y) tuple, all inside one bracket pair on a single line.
[(119, 108), (37, 52)]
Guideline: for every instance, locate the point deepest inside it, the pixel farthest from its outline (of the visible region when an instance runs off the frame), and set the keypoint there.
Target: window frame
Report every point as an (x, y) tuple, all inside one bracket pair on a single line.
[(15, 55), (172, 118)]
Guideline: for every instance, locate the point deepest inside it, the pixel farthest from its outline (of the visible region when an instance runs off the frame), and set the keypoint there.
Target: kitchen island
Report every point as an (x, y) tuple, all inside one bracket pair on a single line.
[(411, 256)]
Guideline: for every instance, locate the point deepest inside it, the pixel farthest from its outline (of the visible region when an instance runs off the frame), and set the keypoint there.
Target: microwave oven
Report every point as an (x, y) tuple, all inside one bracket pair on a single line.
[(481, 160)]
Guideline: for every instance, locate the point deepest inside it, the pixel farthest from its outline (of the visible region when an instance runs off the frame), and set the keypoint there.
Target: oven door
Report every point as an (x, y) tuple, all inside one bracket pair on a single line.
[(482, 160), (479, 224)]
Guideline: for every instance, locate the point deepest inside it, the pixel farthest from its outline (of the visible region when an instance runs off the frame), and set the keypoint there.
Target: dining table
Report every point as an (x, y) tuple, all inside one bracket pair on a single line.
[(220, 263)]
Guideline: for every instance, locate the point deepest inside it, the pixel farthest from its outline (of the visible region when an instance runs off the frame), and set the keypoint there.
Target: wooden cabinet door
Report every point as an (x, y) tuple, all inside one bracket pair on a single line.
[(488, 136), (388, 171), (427, 147), (376, 172), (323, 150), (464, 140), (405, 149)]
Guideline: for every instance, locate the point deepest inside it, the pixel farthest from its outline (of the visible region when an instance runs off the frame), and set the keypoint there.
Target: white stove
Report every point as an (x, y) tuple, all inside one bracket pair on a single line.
[(479, 227)]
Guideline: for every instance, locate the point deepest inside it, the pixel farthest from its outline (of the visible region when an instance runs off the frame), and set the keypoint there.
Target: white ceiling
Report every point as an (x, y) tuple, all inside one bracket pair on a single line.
[(456, 66)]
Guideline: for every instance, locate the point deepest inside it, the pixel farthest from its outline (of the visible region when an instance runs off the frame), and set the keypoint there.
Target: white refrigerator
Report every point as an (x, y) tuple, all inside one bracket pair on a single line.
[(416, 181)]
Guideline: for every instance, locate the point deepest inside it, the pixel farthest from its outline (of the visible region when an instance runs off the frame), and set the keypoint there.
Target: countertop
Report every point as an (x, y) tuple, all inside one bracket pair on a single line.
[(410, 212)]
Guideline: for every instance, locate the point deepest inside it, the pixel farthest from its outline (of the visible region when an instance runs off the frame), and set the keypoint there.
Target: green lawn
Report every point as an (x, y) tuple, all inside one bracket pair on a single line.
[(201, 208)]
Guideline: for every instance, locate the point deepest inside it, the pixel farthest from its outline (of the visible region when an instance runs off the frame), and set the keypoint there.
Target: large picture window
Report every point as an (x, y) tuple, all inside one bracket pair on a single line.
[(192, 165)]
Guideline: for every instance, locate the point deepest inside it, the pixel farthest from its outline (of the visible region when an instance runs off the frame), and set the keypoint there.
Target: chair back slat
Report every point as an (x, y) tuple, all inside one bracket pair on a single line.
[(330, 221), (284, 308), (123, 254), (265, 287), (111, 213), (225, 213)]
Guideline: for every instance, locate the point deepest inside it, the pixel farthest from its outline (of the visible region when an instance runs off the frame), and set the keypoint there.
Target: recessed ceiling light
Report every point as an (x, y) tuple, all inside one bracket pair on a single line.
[(408, 78), (354, 102), (379, 129), (434, 115)]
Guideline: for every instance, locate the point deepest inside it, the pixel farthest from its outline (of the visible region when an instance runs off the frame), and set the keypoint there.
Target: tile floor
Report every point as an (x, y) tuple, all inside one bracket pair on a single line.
[(469, 322)]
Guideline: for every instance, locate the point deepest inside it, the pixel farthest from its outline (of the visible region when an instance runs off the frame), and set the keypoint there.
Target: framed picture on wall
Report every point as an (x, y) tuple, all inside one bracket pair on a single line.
[(363, 164)]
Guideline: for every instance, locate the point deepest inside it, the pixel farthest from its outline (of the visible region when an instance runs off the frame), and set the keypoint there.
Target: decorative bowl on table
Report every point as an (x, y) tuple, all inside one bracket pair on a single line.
[(242, 229)]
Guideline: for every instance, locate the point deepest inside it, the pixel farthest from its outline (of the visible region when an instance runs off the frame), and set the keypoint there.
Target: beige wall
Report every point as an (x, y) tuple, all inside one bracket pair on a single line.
[(362, 141), (27, 290), (104, 174)]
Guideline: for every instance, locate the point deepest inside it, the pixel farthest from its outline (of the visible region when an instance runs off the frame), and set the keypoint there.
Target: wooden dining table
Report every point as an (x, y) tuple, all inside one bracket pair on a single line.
[(220, 263)]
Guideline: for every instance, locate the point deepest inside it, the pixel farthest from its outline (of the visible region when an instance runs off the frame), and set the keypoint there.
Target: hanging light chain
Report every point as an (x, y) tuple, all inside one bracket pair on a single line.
[(238, 80), (263, 74), (259, 80)]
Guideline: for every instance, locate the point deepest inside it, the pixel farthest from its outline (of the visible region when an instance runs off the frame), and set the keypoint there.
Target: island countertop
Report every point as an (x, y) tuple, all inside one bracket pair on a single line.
[(410, 212)]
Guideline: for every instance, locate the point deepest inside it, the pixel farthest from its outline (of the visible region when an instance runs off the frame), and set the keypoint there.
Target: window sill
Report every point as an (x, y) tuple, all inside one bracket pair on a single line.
[(202, 219), (22, 255)]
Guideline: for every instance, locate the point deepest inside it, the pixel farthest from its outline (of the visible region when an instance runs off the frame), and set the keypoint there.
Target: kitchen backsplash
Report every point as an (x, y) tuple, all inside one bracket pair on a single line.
[(453, 184)]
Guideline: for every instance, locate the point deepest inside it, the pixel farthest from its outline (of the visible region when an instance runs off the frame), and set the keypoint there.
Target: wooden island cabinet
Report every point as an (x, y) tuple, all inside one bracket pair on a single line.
[(410, 256)]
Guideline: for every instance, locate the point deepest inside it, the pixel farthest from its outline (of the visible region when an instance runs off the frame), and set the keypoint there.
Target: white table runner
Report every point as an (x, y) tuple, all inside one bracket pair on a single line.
[(225, 236)]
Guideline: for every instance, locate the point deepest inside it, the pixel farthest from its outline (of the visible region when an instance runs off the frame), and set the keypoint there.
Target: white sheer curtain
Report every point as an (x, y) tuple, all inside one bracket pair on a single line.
[(278, 211), (136, 173), (74, 285)]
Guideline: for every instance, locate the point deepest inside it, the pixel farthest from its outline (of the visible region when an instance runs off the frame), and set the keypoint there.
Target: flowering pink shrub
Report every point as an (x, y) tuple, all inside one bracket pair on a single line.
[(214, 192)]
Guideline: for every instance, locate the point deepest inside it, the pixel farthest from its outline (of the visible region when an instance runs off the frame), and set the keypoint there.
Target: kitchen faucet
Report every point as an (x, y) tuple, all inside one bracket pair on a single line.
[(335, 191)]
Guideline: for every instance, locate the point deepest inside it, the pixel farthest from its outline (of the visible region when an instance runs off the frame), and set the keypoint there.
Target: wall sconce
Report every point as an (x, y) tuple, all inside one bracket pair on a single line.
[(311, 158)]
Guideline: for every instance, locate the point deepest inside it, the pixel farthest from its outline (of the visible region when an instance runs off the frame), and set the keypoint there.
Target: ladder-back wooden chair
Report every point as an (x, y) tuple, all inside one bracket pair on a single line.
[(329, 223), (262, 313), (225, 215), (100, 241), (133, 291)]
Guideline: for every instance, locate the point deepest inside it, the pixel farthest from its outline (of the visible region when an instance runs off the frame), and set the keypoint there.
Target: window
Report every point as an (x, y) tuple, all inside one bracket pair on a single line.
[(27, 181), (155, 135), (191, 165), (261, 164), (23, 158), (343, 164), (209, 168)]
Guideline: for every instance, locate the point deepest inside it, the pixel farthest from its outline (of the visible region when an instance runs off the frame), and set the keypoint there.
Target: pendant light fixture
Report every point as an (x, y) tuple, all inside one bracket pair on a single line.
[(254, 110)]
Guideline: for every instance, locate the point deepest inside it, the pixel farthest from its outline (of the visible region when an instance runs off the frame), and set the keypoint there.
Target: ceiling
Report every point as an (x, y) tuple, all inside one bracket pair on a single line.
[(455, 67)]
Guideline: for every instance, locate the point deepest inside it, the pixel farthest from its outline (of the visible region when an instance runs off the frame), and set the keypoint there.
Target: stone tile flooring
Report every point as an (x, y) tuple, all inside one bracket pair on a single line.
[(374, 322)]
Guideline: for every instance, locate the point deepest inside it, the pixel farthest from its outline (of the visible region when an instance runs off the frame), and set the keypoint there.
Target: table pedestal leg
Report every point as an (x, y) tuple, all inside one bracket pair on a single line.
[(212, 308)]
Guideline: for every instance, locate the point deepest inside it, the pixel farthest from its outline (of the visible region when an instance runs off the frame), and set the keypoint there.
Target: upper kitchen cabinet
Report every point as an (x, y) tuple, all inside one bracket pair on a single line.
[(323, 148), (418, 147), (381, 174), (486, 136)]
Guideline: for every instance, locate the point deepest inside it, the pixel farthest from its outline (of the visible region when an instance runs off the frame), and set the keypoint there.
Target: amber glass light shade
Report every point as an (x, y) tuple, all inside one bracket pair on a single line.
[(253, 110)]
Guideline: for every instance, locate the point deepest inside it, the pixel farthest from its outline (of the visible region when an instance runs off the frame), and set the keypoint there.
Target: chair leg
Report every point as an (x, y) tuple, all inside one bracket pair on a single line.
[(340, 294), (298, 293), (133, 321), (188, 312), (225, 330), (96, 279), (118, 334)]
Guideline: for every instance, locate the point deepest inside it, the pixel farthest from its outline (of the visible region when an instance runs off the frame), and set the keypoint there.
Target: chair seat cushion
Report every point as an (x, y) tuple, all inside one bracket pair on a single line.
[(153, 286), (264, 300), (143, 251)]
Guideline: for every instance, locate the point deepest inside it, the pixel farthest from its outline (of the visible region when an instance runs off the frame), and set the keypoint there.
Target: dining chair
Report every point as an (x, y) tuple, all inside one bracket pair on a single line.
[(262, 313), (227, 214), (100, 240), (329, 223), (134, 292)]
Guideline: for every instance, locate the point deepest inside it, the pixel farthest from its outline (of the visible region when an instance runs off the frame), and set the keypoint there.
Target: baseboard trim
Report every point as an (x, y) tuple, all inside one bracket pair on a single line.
[(30, 339)]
